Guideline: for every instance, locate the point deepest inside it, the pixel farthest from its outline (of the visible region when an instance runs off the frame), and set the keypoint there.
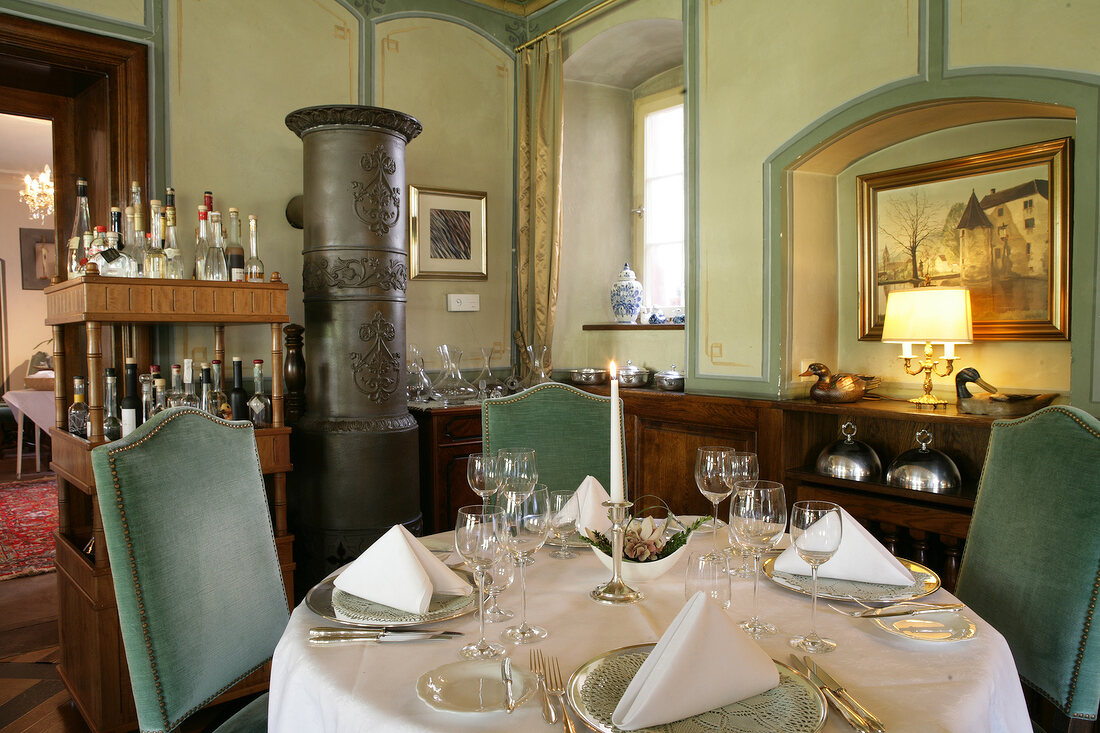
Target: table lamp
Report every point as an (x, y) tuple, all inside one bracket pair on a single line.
[(929, 315)]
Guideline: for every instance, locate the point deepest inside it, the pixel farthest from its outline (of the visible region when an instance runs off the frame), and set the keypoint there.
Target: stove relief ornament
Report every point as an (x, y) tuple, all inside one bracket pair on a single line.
[(361, 272), (377, 201), (377, 370)]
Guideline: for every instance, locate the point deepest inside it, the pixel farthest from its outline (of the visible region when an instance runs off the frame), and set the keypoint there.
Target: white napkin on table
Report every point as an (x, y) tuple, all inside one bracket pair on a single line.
[(586, 505), (861, 558), (398, 571), (703, 661)]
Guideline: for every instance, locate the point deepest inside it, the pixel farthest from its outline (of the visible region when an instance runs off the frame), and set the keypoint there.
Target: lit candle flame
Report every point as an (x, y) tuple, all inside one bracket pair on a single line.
[(613, 371)]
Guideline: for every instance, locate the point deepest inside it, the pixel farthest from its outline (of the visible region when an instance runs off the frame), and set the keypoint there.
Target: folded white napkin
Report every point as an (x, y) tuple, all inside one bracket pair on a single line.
[(398, 571), (703, 661), (586, 505), (861, 557)]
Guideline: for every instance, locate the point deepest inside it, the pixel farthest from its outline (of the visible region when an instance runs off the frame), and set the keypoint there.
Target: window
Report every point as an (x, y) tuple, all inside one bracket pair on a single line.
[(1028, 204), (1000, 211), (1029, 223), (659, 197)]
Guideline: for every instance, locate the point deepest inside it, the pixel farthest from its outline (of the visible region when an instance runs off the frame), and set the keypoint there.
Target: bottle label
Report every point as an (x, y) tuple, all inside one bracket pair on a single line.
[(109, 255), (129, 421), (237, 275), (255, 278)]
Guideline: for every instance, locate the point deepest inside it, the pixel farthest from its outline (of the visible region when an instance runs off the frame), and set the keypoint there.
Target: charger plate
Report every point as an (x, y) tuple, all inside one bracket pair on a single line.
[(925, 582), (473, 686), (795, 706), (946, 627), (333, 604)]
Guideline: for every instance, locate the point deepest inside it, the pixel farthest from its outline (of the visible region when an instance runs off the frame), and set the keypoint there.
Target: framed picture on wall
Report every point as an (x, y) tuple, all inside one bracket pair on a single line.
[(37, 257), (997, 223), (447, 234)]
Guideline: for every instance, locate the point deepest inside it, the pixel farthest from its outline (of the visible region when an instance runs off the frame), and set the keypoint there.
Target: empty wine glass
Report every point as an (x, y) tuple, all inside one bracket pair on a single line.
[(563, 523), (480, 476), (478, 534), (815, 534), (758, 516), (526, 524), (497, 580), (744, 466), (708, 572), (517, 469), (712, 467)]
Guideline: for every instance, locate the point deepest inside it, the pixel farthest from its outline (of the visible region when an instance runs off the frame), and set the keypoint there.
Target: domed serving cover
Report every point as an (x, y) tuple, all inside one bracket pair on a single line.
[(849, 459), (924, 469)]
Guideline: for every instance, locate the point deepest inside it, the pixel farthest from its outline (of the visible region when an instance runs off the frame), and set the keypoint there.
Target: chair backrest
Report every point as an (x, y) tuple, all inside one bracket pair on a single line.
[(196, 576), (1032, 561), (569, 429)]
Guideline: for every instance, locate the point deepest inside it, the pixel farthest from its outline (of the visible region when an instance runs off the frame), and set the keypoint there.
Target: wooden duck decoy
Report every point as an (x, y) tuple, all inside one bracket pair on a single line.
[(838, 387), (992, 402)]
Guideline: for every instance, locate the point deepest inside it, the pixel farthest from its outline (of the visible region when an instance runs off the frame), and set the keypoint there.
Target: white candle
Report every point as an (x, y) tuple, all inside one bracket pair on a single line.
[(949, 350), (906, 350), (617, 493)]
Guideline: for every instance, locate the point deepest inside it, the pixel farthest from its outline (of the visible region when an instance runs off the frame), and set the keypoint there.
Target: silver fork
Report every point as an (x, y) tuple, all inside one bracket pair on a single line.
[(894, 610), (538, 667), (556, 687)]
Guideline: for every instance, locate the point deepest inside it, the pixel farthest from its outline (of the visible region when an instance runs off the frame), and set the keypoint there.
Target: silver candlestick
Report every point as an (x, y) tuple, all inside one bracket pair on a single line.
[(615, 591)]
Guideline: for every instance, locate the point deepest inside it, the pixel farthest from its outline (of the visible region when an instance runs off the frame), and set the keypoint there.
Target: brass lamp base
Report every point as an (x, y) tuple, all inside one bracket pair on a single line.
[(928, 366), (930, 401)]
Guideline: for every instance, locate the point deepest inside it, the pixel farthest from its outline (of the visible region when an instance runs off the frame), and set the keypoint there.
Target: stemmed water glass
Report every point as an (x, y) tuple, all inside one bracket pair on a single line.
[(526, 524), (478, 535), (815, 534), (712, 468), (744, 466), (563, 523), (498, 579), (758, 516), (481, 477), (517, 469)]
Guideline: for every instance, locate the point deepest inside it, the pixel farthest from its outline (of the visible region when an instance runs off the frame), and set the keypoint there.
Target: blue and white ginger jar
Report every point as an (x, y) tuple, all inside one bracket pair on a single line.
[(626, 296)]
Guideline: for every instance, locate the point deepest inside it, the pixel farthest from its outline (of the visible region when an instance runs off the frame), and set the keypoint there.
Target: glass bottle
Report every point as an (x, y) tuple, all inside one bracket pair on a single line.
[(208, 200), (112, 262), (112, 428), (131, 403), (254, 268), (147, 397), (160, 397), (172, 254), (115, 225), (81, 235), (234, 252), (156, 262), (208, 401), (138, 239), (259, 406), (238, 397), (190, 399), (202, 242), (223, 408), (451, 388), (127, 239), (98, 243), (78, 410), (214, 263), (170, 197), (174, 395)]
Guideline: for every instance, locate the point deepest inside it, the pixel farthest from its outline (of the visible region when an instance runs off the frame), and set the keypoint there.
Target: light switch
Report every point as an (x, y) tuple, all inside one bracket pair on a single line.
[(458, 302)]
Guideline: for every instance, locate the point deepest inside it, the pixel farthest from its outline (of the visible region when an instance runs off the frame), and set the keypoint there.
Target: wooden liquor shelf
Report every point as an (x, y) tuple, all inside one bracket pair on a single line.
[(93, 662)]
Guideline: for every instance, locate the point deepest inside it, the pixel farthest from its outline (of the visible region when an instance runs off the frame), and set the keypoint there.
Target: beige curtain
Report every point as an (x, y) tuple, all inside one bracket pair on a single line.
[(538, 191)]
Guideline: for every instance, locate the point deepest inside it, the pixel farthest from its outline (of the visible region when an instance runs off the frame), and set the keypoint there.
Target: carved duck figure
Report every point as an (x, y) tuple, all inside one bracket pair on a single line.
[(992, 402), (838, 387)]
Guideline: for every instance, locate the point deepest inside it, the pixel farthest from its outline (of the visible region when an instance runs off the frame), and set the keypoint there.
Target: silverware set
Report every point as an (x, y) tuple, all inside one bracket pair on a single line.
[(548, 673), (859, 717), (322, 635)]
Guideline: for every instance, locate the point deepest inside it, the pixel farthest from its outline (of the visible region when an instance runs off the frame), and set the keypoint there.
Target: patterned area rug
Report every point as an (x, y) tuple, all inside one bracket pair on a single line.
[(28, 518)]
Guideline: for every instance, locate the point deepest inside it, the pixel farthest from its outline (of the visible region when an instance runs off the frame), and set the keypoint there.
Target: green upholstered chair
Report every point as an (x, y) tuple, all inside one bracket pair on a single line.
[(569, 429), (1032, 555), (197, 580)]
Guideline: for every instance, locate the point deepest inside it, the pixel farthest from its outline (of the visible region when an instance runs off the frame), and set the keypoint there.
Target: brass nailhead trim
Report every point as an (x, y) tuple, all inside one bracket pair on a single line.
[(527, 393)]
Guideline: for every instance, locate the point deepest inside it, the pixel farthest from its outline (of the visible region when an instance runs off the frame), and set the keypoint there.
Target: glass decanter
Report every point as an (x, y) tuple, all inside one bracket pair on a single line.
[(491, 383), (451, 388), (539, 373)]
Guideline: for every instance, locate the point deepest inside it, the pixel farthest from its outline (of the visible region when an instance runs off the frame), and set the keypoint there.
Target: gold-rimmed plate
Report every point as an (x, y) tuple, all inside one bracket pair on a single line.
[(333, 604), (795, 706), (925, 582)]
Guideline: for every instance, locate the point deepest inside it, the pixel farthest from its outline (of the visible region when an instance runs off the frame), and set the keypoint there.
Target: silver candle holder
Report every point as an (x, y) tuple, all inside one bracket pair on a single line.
[(615, 592)]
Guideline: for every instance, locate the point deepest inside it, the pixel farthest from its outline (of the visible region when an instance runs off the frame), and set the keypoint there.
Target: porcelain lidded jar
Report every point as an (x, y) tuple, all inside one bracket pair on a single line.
[(626, 296)]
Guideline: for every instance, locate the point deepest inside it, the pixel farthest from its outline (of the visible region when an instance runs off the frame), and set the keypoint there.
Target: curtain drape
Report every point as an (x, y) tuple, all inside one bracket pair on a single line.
[(538, 191)]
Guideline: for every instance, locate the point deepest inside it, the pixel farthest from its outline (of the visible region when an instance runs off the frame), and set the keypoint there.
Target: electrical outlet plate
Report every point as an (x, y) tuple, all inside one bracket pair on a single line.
[(463, 302)]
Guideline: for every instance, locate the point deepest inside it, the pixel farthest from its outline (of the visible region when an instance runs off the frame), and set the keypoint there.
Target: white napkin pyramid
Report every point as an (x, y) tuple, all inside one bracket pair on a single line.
[(861, 557), (703, 661), (586, 505), (398, 571)]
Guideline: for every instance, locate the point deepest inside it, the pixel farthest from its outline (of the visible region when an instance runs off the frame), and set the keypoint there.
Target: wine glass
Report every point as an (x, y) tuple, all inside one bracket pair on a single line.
[(517, 468), (815, 534), (526, 524), (478, 535), (498, 579), (563, 523), (758, 516), (708, 572), (481, 477), (712, 468), (744, 466)]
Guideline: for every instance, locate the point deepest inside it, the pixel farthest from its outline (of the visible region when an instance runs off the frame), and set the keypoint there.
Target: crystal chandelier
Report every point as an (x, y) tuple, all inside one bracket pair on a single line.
[(37, 194)]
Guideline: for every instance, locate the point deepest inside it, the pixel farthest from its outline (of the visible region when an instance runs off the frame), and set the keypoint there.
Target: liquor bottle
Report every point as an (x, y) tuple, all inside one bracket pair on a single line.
[(156, 262), (190, 399), (128, 233), (234, 252), (259, 407), (174, 394), (116, 225), (139, 228), (254, 268), (111, 262), (146, 381), (112, 428), (172, 253), (208, 401), (154, 375), (98, 243), (160, 400), (78, 410), (202, 243), (81, 235), (238, 397), (214, 264), (131, 403), (223, 408), (208, 200), (170, 197)]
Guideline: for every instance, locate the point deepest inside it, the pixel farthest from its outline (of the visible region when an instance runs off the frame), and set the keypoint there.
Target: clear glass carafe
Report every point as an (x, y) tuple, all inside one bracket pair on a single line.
[(451, 388), (487, 384), (539, 366), (417, 385)]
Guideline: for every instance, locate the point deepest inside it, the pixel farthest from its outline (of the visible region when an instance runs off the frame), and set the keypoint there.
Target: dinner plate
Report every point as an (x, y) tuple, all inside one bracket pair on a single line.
[(333, 604), (472, 686), (948, 626), (795, 706), (925, 582)]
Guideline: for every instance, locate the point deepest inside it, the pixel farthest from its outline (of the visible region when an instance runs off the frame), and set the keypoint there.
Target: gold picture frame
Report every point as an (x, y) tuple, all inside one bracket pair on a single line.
[(927, 225), (447, 237)]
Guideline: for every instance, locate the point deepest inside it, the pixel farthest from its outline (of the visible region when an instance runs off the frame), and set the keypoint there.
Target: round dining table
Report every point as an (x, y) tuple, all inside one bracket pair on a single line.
[(913, 686)]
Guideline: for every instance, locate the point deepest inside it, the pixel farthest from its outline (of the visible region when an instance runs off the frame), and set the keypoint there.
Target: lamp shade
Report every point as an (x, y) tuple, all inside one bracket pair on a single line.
[(937, 315)]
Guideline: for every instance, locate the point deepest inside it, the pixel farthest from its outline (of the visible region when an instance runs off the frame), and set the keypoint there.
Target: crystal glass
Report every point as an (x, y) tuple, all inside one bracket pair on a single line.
[(744, 466), (478, 534), (451, 388), (480, 476), (516, 469), (758, 516), (708, 572), (563, 523), (539, 363), (712, 469), (498, 579), (493, 386), (526, 524), (815, 534)]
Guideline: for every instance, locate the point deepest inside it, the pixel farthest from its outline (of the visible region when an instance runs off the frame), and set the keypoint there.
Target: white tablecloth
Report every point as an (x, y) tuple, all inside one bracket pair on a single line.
[(919, 687)]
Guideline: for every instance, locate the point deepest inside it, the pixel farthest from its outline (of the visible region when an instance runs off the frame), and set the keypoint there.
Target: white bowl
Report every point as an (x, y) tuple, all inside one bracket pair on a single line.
[(642, 572)]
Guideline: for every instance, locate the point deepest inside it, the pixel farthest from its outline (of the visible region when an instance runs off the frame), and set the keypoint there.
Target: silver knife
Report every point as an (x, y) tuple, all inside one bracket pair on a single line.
[(894, 611), (854, 719), (876, 724), (341, 632), (506, 675), (379, 637)]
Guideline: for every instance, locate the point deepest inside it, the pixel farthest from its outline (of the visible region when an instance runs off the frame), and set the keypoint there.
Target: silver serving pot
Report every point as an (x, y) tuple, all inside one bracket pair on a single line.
[(632, 376), (670, 380), (849, 459), (924, 469), (588, 375)]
